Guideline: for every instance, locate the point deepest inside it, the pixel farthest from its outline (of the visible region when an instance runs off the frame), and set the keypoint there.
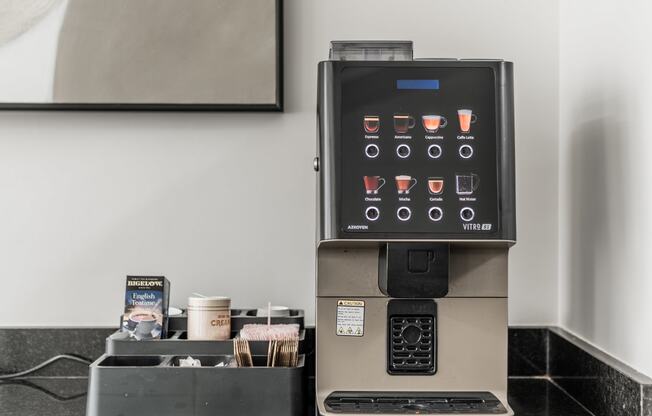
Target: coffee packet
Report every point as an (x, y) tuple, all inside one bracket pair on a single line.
[(146, 307)]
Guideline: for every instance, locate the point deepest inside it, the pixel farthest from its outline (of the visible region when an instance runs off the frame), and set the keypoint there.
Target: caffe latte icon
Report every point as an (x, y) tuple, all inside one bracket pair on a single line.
[(466, 118)]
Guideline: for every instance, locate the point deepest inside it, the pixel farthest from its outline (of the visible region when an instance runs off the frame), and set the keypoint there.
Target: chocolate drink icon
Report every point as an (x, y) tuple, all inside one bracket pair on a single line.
[(372, 184)]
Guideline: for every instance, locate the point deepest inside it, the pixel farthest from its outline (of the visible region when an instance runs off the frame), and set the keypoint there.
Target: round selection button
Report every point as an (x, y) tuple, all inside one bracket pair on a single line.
[(372, 151), (372, 213), (403, 213), (466, 151), (434, 151), (403, 151), (467, 214), (435, 214)]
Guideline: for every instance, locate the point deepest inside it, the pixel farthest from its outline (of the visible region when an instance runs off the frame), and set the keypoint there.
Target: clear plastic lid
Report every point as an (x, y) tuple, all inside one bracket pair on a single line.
[(378, 50)]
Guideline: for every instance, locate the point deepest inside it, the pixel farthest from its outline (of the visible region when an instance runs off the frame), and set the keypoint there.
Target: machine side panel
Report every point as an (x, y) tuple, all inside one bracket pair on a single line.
[(327, 215), (505, 102)]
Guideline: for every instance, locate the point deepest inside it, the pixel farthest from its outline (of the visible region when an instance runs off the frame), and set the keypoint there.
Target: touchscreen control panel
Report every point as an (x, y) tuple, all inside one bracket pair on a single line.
[(418, 150)]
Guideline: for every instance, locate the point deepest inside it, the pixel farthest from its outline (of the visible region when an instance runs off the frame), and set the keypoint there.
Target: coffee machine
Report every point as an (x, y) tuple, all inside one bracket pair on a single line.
[(416, 215)]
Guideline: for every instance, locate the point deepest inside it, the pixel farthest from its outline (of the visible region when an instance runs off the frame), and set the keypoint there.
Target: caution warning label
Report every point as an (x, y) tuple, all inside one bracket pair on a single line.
[(350, 318)]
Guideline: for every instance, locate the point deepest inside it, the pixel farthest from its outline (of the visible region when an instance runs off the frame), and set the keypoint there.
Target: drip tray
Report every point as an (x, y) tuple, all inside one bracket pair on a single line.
[(414, 403)]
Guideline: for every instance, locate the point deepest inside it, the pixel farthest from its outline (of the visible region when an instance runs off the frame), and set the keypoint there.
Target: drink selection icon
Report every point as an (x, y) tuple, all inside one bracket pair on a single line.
[(371, 124), (404, 183), (403, 123), (436, 186), (466, 183), (466, 118), (433, 122), (372, 184)]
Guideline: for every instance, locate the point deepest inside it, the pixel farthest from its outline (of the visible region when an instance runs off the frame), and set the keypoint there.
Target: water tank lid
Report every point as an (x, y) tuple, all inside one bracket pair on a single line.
[(371, 50)]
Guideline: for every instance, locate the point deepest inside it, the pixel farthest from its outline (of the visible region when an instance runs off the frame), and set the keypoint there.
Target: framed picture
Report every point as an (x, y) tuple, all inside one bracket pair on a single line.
[(141, 54)]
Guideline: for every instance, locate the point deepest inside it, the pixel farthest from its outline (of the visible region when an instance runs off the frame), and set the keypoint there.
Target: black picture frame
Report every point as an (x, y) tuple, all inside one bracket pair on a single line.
[(273, 107)]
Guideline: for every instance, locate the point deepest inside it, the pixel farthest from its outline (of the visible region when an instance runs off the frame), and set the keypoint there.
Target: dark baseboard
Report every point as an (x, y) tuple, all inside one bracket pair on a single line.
[(599, 382)]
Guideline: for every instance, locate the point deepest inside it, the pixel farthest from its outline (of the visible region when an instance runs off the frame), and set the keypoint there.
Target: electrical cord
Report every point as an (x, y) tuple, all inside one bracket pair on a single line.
[(53, 395), (45, 364)]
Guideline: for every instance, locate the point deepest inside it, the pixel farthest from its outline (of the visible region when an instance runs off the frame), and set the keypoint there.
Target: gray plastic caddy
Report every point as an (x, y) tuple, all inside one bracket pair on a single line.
[(154, 385), (177, 342), (143, 378)]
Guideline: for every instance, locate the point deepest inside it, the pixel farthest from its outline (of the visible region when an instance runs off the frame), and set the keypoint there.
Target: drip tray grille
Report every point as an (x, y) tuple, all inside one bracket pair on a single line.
[(412, 345), (414, 403)]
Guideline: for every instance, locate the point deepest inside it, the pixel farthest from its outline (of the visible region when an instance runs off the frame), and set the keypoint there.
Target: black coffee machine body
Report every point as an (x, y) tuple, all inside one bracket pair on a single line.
[(416, 215)]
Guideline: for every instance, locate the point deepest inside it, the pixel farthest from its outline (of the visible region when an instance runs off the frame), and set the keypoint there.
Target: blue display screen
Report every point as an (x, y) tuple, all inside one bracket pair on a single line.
[(417, 84)]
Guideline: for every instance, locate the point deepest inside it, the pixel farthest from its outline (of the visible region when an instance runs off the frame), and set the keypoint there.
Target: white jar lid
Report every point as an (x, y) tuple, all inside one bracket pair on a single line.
[(209, 301)]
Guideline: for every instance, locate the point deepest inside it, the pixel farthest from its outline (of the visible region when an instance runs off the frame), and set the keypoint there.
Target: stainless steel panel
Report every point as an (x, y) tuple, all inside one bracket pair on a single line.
[(472, 350)]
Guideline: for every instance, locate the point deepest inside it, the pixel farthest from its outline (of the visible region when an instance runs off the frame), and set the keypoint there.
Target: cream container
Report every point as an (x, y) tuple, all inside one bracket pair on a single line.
[(209, 318)]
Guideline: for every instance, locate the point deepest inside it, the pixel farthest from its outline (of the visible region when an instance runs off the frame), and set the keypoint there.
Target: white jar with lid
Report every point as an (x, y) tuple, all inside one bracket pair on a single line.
[(209, 318)]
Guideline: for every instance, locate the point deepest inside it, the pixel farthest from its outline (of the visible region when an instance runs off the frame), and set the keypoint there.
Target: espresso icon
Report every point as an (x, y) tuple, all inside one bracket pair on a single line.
[(435, 185), (467, 183), (403, 123), (372, 184), (404, 183), (433, 122), (371, 124), (466, 118)]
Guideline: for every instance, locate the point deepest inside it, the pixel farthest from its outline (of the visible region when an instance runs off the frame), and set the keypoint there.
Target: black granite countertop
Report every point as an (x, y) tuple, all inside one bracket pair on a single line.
[(48, 392), (67, 397), (43, 396)]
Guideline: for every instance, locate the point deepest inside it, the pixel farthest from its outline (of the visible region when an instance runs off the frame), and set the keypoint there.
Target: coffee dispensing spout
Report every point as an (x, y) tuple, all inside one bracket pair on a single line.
[(414, 270)]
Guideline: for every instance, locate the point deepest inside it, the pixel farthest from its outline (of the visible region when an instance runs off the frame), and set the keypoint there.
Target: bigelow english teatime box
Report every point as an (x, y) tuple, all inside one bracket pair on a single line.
[(146, 306)]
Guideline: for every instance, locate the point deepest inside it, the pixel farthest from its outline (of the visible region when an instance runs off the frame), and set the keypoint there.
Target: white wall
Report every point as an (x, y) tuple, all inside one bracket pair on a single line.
[(606, 176), (224, 203)]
